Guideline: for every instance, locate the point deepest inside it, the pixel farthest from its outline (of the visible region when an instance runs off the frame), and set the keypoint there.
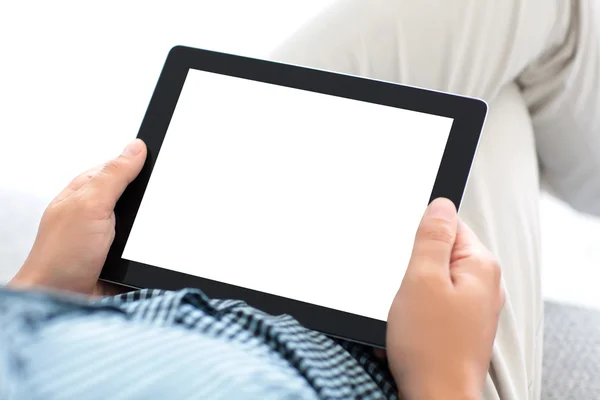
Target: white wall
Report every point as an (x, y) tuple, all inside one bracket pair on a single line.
[(570, 254), (75, 79), (76, 76)]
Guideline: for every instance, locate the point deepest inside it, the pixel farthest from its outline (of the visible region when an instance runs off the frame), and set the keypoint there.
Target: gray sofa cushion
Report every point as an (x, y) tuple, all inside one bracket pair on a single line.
[(571, 353)]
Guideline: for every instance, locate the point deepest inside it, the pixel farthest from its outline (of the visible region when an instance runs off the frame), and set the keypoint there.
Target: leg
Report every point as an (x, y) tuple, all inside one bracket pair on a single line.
[(469, 47), (476, 48)]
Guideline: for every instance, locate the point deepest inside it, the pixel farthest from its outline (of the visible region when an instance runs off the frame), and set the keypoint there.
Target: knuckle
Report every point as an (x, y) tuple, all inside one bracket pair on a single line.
[(85, 176), (437, 232), (493, 265), (496, 272), (479, 258), (112, 166), (501, 299), (489, 264)]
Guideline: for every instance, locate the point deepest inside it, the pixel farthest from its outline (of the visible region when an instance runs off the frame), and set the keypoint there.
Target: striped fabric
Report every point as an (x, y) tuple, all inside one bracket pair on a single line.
[(155, 344)]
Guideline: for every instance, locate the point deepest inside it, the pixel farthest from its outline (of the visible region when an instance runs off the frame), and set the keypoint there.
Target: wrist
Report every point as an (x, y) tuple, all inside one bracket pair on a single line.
[(447, 388), (443, 393), (22, 281), (27, 278)]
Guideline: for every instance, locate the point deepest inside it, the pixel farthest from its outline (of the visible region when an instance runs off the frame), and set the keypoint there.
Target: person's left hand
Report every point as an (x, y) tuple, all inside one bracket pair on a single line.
[(78, 228)]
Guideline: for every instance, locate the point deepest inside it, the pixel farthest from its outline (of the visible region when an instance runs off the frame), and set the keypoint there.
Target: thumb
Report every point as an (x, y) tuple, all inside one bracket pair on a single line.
[(435, 237), (109, 183)]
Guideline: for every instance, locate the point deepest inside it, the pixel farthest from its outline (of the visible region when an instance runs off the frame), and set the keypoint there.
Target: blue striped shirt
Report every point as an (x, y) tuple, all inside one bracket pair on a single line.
[(153, 344)]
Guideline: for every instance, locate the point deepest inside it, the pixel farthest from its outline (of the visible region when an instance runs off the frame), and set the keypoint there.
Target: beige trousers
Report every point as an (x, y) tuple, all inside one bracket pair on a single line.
[(537, 62)]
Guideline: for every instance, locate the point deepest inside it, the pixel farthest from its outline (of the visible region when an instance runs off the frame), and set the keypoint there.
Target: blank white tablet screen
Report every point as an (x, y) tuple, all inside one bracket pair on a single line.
[(299, 194)]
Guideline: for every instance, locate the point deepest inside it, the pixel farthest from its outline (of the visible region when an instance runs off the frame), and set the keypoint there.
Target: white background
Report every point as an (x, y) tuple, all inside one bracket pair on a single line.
[(76, 77), (299, 194)]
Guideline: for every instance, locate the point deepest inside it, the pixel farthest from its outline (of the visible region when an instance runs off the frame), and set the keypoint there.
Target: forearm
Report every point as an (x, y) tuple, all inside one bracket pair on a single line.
[(25, 281)]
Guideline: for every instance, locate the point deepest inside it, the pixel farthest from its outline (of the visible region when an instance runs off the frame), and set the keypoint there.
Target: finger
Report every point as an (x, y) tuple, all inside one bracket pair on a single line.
[(109, 183), (466, 242), (470, 258), (435, 237), (77, 183)]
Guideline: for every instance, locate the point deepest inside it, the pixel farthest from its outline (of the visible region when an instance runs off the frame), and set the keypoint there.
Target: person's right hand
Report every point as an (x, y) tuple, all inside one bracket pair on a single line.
[(443, 320)]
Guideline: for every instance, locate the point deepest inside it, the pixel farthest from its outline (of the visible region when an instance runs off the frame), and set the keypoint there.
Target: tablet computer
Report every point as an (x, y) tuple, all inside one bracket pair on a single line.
[(296, 190)]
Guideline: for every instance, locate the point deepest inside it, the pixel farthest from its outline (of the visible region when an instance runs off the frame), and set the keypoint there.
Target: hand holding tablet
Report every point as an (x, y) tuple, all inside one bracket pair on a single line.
[(296, 190), (443, 320), (444, 314)]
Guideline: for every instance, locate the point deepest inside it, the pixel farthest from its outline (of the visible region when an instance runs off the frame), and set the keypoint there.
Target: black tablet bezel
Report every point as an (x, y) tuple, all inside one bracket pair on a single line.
[(468, 114)]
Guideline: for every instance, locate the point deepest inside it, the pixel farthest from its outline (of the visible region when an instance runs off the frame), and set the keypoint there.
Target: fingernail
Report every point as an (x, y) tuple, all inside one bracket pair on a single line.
[(133, 148), (443, 209)]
